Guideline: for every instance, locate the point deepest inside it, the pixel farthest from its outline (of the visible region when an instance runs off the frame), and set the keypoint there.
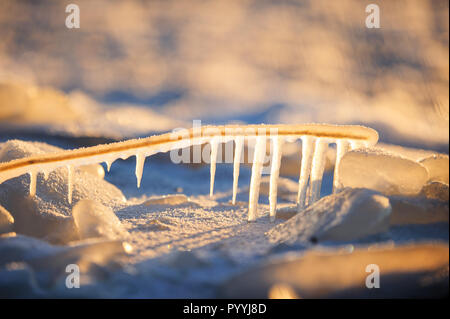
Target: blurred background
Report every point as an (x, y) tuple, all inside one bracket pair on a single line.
[(137, 67)]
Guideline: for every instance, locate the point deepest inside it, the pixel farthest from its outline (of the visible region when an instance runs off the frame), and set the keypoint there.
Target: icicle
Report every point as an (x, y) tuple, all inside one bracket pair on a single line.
[(305, 170), (258, 159), (108, 165), (33, 177), (318, 166), (46, 173), (342, 147), (214, 146), (237, 161), (274, 174), (69, 183), (140, 159)]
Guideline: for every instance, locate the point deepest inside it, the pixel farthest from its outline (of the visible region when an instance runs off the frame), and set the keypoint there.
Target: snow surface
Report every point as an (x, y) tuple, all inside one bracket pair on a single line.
[(187, 244)]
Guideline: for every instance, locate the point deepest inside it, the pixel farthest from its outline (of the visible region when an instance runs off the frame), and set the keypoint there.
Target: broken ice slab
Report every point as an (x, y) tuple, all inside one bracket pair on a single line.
[(95, 220), (348, 215), (384, 172)]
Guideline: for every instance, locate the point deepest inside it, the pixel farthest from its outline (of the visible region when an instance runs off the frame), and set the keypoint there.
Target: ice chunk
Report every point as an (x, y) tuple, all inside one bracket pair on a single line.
[(274, 175), (437, 167), (258, 159), (6, 221), (384, 172), (348, 215), (237, 161), (167, 200), (308, 144), (95, 220)]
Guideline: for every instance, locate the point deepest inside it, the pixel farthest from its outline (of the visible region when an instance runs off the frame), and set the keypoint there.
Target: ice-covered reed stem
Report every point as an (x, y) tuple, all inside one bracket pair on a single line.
[(315, 139)]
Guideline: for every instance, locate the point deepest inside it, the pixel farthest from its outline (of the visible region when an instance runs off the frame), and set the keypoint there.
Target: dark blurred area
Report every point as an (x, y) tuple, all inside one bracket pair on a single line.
[(250, 61)]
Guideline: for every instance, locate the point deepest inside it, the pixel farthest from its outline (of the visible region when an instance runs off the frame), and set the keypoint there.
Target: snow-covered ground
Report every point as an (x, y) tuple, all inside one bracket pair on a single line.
[(138, 69)]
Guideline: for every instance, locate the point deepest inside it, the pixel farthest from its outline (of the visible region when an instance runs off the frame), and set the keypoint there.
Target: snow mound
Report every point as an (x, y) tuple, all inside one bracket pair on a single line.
[(48, 214), (348, 215), (95, 220), (384, 172), (33, 268)]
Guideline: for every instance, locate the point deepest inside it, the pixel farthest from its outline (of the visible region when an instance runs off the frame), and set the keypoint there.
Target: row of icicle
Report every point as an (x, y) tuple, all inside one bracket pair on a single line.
[(311, 171)]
